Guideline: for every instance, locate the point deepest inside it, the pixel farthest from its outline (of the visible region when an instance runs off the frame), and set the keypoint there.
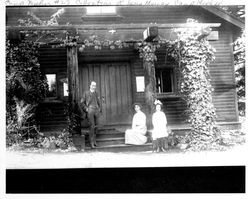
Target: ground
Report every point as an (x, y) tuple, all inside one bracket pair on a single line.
[(230, 151), (32, 160)]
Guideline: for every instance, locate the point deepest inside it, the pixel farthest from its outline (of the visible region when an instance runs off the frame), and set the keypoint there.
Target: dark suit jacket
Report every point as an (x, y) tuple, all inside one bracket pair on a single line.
[(85, 100)]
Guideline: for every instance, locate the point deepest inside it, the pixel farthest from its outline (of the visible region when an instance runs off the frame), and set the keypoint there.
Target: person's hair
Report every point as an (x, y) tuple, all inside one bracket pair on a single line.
[(159, 104), (92, 82), (138, 104)]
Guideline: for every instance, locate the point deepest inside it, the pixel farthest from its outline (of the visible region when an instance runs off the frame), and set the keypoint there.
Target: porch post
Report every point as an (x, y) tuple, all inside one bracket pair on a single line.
[(73, 87), (150, 89), (148, 64)]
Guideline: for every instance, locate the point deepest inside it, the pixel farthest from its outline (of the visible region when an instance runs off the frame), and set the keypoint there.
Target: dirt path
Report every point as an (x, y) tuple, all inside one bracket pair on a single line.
[(29, 160)]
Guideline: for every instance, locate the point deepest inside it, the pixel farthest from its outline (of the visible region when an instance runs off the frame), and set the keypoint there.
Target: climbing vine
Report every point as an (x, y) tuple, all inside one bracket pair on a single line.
[(194, 54), (147, 53)]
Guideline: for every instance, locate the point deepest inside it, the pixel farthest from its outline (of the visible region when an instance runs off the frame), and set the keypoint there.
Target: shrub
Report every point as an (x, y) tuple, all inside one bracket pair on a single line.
[(25, 87), (21, 125), (24, 79), (63, 141)]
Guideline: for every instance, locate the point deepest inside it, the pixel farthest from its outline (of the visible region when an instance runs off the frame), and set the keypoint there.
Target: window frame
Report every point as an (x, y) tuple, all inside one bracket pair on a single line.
[(102, 14), (175, 90), (56, 86), (105, 17)]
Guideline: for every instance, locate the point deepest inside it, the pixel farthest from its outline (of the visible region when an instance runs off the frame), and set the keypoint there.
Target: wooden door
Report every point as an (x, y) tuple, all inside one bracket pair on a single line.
[(114, 87)]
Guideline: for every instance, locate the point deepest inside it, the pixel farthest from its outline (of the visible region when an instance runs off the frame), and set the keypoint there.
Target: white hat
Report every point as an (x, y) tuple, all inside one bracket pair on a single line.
[(157, 102)]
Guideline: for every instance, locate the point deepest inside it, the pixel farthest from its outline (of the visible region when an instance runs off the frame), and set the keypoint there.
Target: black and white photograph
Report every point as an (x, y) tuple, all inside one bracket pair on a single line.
[(150, 89)]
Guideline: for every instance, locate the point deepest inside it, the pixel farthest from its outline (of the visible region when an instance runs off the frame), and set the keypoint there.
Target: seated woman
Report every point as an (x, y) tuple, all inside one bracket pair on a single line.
[(160, 131), (136, 135)]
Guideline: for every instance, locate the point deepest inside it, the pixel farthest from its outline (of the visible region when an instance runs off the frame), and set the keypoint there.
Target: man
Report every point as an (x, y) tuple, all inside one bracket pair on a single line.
[(90, 102)]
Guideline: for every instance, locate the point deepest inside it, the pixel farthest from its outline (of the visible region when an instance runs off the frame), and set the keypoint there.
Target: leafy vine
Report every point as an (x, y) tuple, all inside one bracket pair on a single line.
[(194, 57)]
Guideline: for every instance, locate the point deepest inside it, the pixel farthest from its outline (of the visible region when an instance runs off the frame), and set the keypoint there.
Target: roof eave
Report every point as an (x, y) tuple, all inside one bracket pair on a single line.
[(229, 18)]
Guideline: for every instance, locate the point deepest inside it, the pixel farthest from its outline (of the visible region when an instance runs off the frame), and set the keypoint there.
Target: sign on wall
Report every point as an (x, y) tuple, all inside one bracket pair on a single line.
[(140, 84)]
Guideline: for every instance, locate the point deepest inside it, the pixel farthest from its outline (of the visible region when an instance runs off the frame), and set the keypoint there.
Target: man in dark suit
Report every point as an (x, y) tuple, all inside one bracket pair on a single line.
[(91, 103)]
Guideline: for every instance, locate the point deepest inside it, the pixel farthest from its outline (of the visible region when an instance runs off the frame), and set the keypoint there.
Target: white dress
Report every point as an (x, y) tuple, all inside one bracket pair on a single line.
[(136, 135), (159, 121)]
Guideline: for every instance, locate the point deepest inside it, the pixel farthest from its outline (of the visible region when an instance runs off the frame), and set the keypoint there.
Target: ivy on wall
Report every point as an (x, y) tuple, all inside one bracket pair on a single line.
[(147, 54), (26, 86), (194, 54), (239, 64), (24, 79)]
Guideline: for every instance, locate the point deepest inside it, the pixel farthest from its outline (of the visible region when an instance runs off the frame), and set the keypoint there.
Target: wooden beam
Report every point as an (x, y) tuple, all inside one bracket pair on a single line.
[(73, 83), (59, 27), (72, 69), (113, 26), (150, 89)]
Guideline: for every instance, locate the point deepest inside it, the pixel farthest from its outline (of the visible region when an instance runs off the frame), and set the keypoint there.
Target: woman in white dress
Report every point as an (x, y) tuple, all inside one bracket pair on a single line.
[(136, 135), (160, 132)]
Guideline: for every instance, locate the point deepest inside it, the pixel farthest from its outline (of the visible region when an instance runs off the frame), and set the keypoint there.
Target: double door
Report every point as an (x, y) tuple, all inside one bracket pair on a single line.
[(114, 87)]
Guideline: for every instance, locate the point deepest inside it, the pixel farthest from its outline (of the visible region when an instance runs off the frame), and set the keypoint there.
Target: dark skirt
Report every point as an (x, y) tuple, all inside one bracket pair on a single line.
[(160, 144)]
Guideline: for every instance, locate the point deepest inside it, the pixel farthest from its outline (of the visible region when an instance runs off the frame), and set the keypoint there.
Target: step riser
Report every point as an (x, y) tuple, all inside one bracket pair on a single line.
[(129, 148), (104, 131), (105, 136), (59, 129), (54, 113), (54, 117), (51, 121), (104, 143), (52, 110), (63, 123), (53, 126)]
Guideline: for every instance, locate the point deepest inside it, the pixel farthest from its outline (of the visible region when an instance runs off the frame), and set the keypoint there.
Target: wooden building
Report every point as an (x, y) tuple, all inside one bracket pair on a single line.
[(119, 73)]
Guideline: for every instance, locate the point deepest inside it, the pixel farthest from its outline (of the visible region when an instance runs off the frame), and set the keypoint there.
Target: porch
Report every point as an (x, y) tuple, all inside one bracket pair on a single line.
[(116, 72), (110, 137)]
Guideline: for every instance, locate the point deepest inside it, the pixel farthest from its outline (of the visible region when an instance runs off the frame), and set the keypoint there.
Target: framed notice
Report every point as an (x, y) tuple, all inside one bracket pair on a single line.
[(140, 84)]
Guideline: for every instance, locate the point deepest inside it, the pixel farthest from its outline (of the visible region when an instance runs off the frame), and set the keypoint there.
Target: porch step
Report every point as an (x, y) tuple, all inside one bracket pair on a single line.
[(107, 141), (106, 134), (53, 122), (53, 127), (52, 117), (103, 135), (112, 139), (121, 148)]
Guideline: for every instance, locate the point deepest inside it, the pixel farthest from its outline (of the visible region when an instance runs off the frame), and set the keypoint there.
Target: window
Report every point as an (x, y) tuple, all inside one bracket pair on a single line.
[(65, 89), (101, 10), (165, 80), (51, 80)]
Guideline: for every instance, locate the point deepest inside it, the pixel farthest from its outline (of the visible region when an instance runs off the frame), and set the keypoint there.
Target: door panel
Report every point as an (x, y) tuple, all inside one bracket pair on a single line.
[(114, 87)]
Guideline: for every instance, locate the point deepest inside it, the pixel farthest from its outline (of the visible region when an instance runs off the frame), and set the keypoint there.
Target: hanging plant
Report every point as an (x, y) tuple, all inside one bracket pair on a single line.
[(94, 42)]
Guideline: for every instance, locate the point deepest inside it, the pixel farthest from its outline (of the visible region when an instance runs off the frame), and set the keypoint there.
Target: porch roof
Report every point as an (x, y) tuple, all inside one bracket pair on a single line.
[(226, 16), (123, 32)]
